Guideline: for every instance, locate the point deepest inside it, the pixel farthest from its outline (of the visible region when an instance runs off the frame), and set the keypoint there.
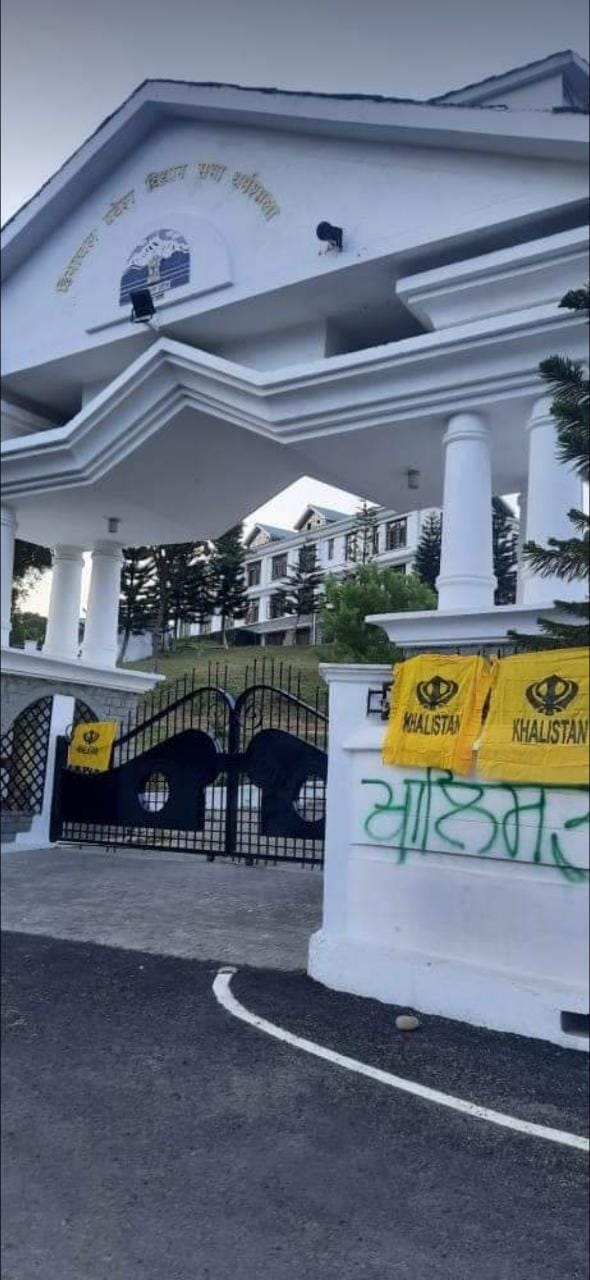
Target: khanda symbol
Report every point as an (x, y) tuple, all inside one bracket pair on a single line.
[(552, 694), (436, 692), (91, 736)]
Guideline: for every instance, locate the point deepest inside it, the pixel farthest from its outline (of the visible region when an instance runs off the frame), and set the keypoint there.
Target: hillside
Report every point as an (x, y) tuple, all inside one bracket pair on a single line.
[(232, 669)]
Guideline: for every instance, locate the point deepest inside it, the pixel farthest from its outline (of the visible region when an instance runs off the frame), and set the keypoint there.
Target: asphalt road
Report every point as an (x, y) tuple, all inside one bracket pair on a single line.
[(150, 1136)]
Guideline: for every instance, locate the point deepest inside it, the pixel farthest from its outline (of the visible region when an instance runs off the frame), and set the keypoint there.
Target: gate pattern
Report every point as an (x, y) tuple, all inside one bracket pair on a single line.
[(236, 777), (23, 754)]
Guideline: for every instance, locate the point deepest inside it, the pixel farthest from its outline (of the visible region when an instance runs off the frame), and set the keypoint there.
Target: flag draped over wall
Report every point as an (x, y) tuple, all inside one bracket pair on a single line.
[(436, 711), (92, 744), (537, 727)]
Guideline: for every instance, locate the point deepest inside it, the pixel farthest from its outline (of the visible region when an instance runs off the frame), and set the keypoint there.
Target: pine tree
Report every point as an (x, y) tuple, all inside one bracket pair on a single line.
[(505, 543), (366, 526), (303, 584), (567, 558), (228, 578), (177, 589), (427, 557), (136, 601), (505, 548)]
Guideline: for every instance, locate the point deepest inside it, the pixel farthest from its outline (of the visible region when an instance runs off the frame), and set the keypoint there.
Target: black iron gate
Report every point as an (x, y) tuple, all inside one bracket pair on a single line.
[(236, 777)]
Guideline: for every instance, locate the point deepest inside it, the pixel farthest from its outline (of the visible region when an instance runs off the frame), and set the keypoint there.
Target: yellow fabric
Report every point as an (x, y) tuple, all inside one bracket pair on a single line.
[(92, 744), (537, 728), (436, 708)]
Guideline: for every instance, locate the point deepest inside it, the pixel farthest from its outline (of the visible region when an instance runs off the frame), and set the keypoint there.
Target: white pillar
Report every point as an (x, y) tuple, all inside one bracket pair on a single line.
[(466, 579), (7, 536), (102, 616), (61, 637), (553, 489)]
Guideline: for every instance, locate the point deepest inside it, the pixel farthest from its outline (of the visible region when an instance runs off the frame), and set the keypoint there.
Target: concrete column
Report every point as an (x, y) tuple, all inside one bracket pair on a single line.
[(100, 633), (466, 579), (7, 536), (553, 489), (61, 637)]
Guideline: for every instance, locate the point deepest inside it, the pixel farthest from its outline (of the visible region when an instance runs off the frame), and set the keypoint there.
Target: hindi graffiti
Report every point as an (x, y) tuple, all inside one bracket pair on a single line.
[(436, 812)]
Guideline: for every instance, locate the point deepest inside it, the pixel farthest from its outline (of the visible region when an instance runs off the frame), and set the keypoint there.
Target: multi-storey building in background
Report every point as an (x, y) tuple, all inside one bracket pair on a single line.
[(272, 557)]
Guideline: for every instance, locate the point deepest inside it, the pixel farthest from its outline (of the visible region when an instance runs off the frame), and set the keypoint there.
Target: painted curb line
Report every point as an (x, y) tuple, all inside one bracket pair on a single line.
[(224, 996)]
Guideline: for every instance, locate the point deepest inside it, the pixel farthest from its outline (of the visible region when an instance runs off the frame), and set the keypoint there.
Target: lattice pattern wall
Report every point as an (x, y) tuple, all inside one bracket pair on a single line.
[(23, 758)]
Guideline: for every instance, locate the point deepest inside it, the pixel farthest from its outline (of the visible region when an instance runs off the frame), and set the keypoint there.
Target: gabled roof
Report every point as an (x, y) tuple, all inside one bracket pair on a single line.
[(567, 63), (275, 534), (356, 116), (328, 515)]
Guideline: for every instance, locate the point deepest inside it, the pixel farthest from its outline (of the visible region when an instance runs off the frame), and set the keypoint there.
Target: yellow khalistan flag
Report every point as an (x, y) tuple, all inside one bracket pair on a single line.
[(436, 709), (537, 728), (92, 744)]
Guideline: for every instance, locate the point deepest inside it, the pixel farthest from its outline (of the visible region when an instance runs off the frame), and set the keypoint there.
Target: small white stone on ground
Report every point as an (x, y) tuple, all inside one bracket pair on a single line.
[(407, 1022)]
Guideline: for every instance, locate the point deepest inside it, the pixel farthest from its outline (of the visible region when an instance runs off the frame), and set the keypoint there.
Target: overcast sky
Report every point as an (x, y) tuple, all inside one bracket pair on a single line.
[(67, 64)]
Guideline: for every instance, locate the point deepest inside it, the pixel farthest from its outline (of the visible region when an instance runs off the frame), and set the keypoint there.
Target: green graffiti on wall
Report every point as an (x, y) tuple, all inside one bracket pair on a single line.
[(439, 813)]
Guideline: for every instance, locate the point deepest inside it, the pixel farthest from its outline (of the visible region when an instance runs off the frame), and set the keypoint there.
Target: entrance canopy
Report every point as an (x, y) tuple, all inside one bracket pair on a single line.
[(184, 444)]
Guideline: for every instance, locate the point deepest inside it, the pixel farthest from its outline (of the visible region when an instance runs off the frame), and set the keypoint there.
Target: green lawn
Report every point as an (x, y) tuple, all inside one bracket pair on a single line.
[(232, 668)]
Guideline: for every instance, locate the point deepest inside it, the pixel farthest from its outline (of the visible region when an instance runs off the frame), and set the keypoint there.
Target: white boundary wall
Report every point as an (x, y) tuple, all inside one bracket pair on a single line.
[(496, 933)]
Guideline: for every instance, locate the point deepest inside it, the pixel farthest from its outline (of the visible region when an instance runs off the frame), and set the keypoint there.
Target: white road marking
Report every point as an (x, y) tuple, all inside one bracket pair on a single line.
[(221, 989)]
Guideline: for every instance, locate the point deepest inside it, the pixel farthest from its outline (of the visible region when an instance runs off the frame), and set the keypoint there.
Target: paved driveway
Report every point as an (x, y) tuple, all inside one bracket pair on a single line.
[(150, 1136), (175, 904)]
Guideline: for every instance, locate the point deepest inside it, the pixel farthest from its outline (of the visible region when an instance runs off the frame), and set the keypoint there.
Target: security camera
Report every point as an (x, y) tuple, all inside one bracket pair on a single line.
[(333, 235)]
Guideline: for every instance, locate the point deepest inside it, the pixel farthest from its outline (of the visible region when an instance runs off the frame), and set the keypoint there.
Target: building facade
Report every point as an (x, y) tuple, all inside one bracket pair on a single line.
[(354, 288), (335, 545)]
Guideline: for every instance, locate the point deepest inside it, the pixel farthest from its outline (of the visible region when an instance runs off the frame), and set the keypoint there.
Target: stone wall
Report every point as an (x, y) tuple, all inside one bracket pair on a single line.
[(18, 692)]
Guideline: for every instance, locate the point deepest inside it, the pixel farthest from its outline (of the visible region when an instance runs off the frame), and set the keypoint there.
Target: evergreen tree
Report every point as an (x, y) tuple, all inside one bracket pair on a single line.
[(567, 558), (228, 578), (505, 547), (303, 584), (30, 562), (427, 558), (136, 601), (177, 589), (505, 542), (366, 525)]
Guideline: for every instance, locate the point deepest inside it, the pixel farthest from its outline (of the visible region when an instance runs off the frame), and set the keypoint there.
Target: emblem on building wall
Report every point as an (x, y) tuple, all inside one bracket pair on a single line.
[(160, 263)]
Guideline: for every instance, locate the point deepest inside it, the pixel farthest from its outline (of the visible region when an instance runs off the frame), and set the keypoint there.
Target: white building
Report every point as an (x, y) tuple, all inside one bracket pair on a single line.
[(354, 288), (273, 556)]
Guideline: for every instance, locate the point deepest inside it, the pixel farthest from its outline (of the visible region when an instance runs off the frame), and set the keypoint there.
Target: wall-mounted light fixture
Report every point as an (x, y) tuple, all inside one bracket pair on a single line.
[(413, 478), (113, 523), (142, 306)]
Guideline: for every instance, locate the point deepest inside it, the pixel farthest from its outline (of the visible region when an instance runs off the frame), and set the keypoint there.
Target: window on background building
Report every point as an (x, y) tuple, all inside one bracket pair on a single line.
[(376, 540), (350, 546), (252, 612), (276, 608), (279, 567), (331, 544), (206, 627), (254, 573), (399, 568), (397, 534)]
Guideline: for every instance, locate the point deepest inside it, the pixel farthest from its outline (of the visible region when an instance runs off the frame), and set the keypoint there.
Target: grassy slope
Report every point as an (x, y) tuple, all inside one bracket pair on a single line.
[(228, 667)]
